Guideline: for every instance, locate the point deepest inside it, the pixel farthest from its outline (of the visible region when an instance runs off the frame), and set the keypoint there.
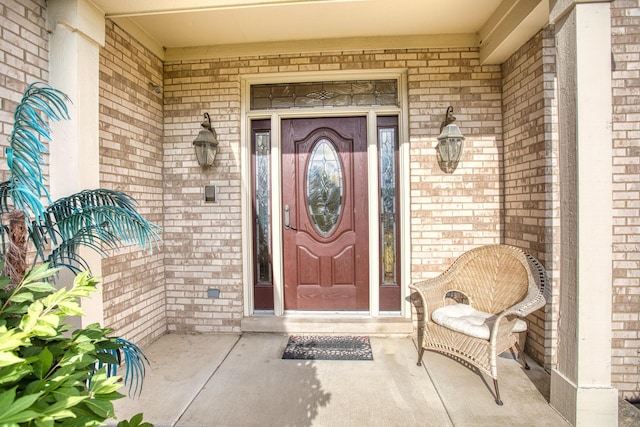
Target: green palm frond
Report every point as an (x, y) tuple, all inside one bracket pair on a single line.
[(111, 212), (118, 351), (67, 253), (134, 361), (99, 219), (40, 104)]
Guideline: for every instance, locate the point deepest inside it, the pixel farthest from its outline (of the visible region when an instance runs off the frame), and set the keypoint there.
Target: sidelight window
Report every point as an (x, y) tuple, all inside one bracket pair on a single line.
[(263, 268), (263, 209), (388, 204), (389, 218)]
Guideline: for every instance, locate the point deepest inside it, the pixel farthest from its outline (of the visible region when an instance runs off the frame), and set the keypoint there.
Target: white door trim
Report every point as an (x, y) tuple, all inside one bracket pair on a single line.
[(276, 117)]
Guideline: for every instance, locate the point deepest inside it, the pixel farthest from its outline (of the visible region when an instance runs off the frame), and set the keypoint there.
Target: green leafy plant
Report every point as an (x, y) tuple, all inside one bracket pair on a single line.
[(136, 421), (48, 377)]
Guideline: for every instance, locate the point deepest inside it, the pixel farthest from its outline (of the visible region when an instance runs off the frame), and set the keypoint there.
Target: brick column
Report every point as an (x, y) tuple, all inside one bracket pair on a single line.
[(77, 30), (581, 383)]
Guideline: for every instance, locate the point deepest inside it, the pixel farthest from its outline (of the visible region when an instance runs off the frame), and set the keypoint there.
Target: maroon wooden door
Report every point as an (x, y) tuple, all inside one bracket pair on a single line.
[(325, 214)]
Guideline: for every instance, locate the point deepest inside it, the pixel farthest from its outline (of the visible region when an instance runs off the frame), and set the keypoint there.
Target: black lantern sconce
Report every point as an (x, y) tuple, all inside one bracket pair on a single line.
[(449, 143), (206, 143)]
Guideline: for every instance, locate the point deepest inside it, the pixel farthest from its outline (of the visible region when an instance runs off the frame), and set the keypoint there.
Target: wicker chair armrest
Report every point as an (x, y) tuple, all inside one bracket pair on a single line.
[(531, 302), (536, 296), (432, 292), (506, 319)]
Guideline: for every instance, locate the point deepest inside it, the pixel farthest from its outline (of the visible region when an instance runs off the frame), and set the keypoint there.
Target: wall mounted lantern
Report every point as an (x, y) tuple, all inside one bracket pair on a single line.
[(449, 143), (206, 143)]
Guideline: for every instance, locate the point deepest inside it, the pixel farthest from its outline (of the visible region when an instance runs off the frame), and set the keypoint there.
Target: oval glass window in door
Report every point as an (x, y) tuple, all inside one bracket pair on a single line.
[(324, 187)]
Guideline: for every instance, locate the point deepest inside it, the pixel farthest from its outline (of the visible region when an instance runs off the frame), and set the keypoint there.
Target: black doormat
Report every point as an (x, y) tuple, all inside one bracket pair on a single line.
[(328, 348)]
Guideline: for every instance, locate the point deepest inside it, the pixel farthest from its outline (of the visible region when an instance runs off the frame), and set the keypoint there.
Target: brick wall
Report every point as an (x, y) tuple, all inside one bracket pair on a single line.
[(449, 213), (202, 240), (131, 147), (625, 23), (530, 170), (452, 213), (24, 58)]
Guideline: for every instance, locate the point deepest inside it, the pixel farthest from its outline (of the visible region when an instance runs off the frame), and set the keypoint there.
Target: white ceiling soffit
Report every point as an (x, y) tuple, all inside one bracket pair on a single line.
[(190, 29)]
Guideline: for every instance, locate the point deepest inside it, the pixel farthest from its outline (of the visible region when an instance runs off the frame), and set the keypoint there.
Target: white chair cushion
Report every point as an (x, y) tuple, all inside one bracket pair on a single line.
[(469, 321)]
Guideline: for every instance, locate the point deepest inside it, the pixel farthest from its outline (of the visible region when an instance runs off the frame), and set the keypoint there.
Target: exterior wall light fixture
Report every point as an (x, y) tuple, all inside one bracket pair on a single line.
[(449, 146), (206, 143)]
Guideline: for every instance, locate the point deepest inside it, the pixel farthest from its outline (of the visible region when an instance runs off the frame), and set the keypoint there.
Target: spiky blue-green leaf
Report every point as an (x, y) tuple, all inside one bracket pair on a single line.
[(98, 219), (134, 360), (39, 105)]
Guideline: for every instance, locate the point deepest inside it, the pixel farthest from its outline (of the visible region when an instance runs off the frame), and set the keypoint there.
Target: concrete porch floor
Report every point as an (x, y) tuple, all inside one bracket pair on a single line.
[(241, 380)]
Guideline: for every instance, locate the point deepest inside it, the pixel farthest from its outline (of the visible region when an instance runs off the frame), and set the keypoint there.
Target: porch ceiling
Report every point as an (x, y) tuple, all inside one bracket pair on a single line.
[(219, 28)]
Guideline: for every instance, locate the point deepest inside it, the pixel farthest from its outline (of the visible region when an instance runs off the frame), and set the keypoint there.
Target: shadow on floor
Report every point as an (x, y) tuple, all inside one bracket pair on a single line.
[(241, 380)]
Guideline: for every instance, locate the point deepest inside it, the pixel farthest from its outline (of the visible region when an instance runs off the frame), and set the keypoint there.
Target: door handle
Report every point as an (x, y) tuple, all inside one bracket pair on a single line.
[(287, 218)]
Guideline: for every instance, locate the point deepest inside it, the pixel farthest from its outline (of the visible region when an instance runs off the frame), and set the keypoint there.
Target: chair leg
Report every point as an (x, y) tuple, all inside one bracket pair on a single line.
[(495, 385), (524, 359), (420, 356)]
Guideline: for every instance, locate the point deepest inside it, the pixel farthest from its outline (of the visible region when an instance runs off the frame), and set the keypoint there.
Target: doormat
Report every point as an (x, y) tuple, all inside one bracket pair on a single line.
[(328, 348)]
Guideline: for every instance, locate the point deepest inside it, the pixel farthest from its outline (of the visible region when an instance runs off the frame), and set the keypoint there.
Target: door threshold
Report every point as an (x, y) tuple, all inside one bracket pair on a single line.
[(336, 323)]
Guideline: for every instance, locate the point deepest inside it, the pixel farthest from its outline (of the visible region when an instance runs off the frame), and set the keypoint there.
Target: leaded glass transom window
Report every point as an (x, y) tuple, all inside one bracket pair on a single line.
[(356, 93), (324, 187)]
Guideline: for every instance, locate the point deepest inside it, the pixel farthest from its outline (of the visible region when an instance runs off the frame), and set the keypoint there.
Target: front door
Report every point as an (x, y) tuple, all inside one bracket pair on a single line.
[(325, 214)]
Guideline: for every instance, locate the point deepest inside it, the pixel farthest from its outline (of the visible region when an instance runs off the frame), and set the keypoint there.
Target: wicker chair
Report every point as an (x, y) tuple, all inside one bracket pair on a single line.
[(481, 299)]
